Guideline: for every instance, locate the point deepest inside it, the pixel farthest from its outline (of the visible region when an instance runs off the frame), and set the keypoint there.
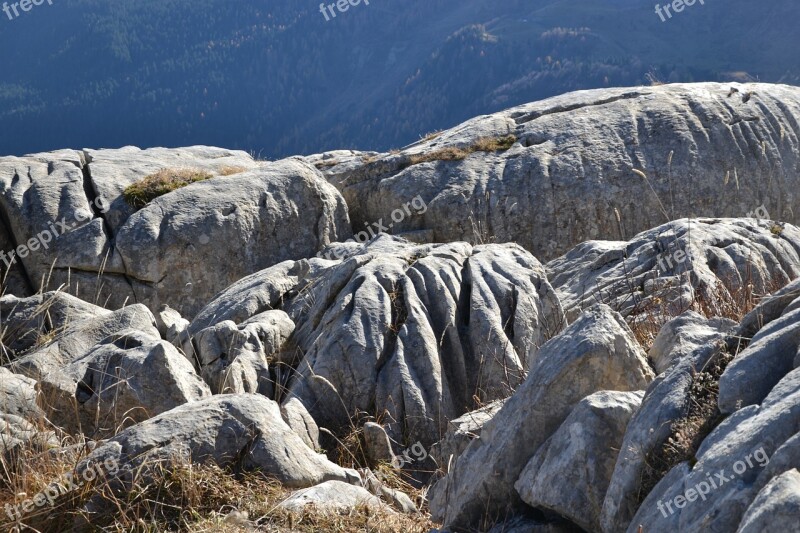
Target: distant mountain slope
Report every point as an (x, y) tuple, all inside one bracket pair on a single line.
[(276, 78)]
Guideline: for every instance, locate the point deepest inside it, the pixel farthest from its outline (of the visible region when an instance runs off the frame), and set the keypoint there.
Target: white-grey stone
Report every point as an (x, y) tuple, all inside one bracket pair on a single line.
[(78, 338), (776, 509), (461, 431), (597, 352), (683, 334), (706, 151), (701, 264), (331, 496), (126, 379), (241, 430), (570, 472)]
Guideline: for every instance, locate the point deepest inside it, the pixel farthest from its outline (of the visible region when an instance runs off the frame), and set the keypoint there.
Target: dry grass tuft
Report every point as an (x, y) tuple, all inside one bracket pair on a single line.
[(191, 498), (160, 183), (486, 144), (231, 170)]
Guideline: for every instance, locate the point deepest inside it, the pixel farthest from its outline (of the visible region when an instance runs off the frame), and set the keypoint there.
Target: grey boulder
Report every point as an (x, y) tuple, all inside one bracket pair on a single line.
[(776, 509), (126, 379), (233, 431), (707, 265), (331, 496), (679, 337), (597, 352), (79, 337), (28, 322), (180, 249), (570, 472)]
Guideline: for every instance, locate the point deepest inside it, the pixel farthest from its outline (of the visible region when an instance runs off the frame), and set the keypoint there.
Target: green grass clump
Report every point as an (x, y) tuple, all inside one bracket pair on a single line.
[(164, 181)]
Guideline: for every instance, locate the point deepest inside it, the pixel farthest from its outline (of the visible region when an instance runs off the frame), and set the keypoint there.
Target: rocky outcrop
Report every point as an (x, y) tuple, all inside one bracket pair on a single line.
[(776, 507), (707, 149), (597, 352), (711, 265), (238, 431), (66, 211), (413, 332), (461, 431), (27, 322), (770, 355), (79, 337)]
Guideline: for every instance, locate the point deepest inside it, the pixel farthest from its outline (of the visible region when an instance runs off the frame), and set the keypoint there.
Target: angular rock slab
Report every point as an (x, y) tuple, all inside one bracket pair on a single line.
[(702, 264), (682, 335), (128, 378), (597, 352), (570, 472), (237, 431), (462, 431), (770, 355), (665, 402), (707, 149), (26, 322), (78, 338), (237, 358)]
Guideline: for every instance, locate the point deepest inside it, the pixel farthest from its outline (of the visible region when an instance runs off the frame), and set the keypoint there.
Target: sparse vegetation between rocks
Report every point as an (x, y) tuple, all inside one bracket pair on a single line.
[(163, 182)]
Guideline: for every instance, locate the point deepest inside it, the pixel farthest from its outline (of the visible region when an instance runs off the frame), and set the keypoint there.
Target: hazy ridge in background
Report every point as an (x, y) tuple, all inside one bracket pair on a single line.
[(275, 78)]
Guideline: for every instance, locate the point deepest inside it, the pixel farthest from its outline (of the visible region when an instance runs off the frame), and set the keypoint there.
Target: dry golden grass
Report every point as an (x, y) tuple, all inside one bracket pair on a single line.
[(183, 497), (231, 170), (451, 153), (160, 183), (486, 144)]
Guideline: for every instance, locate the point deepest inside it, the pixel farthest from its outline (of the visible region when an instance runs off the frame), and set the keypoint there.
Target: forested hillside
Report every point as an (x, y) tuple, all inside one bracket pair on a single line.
[(276, 78)]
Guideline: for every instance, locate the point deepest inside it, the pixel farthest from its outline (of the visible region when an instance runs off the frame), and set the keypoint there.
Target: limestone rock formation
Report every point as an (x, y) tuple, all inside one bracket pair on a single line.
[(706, 149)]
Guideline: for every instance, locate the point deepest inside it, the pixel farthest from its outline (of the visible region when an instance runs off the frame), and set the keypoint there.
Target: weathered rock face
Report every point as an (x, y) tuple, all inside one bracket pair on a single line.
[(242, 431), (770, 355), (570, 472), (182, 248), (665, 402), (462, 431), (757, 442), (25, 322), (708, 149), (79, 337), (682, 335), (739, 449), (128, 378), (777, 506), (20, 416), (414, 332), (708, 264), (236, 358), (597, 352)]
